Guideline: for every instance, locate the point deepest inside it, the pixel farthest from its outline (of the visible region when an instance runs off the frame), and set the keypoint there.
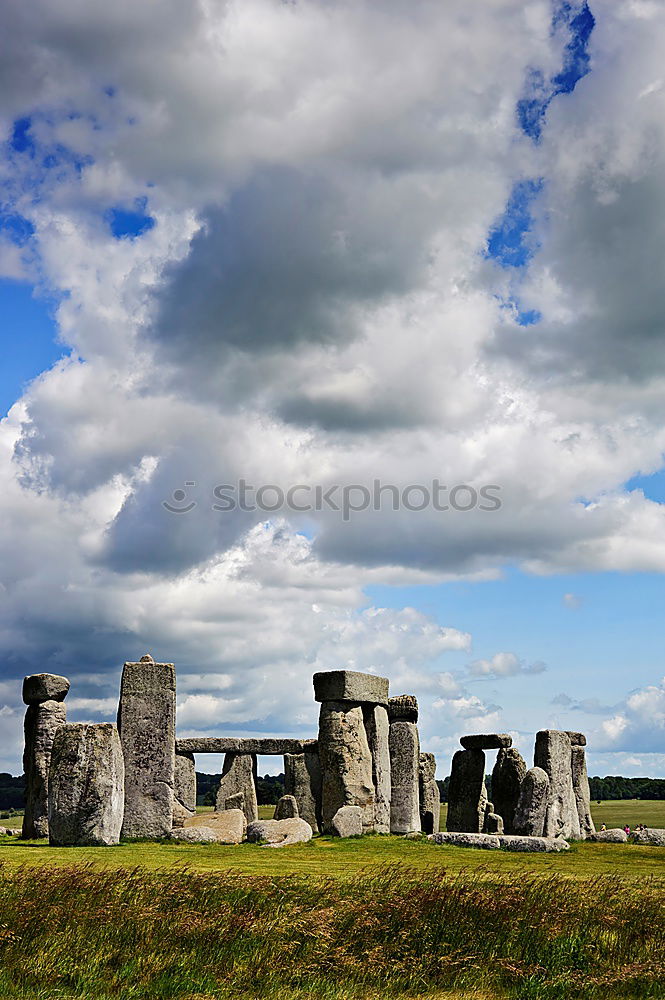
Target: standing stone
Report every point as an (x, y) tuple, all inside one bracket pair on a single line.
[(553, 754), (346, 762), (493, 823), (467, 796), (529, 818), (38, 688), (286, 808), (507, 778), (582, 791), (348, 822), (236, 801), (430, 800), (86, 783), (377, 729), (42, 720), (302, 779), (238, 775), (184, 788), (146, 721), (404, 745)]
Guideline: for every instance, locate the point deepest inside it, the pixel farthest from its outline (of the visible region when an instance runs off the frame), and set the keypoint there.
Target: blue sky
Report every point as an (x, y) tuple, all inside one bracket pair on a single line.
[(225, 305)]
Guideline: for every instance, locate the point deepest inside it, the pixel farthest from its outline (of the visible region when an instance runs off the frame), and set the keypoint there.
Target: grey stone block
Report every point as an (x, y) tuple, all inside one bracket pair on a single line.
[(459, 839), (350, 685), (348, 822), (375, 718), (229, 826), (614, 836), (38, 688), (537, 845), (302, 779), (493, 823), (286, 808), (184, 787), (507, 778), (238, 777), (403, 708), (486, 741), (553, 754), (279, 832), (529, 818), (346, 762), (263, 745), (467, 797), (430, 799), (404, 747), (146, 721), (40, 726), (86, 781), (581, 790), (576, 739), (652, 836)]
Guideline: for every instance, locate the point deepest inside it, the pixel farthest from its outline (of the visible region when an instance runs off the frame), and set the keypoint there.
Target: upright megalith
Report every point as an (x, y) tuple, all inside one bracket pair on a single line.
[(286, 808), (531, 810), (239, 777), (507, 778), (86, 782), (146, 722), (467, 796), (404, 745), (430, 799), (184, 788), (302, 779), (349, 765), (553, 755), (44, 695), (377, 729), (581, 790)]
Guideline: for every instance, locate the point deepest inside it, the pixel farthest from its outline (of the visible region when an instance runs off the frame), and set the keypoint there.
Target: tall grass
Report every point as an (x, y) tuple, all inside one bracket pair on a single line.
[(134, 935)]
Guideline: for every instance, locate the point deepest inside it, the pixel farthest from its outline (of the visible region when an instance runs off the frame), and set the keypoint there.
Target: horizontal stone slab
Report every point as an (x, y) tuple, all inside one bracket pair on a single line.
[(487, 741), (350, 685), (487, 841), (549, 845), (614, 836), (576, 739), (264, 746), (483, 840)]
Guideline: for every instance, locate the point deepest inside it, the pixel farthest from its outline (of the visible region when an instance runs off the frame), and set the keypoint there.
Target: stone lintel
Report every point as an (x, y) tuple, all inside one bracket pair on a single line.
[(264, 746), (487, 741), (350, 685), (577, 739)]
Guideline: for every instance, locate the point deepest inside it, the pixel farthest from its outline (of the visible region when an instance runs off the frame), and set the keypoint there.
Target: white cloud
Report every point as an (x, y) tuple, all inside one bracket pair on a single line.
[(639, 724), (504, 665)]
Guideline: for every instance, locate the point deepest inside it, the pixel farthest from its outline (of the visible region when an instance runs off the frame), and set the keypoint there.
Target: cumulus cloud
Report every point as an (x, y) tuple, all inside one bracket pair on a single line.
[(504, 665), (638, 724)]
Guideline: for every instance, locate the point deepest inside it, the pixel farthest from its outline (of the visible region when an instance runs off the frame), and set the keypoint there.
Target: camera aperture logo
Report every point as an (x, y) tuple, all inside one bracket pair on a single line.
[(345, 499)]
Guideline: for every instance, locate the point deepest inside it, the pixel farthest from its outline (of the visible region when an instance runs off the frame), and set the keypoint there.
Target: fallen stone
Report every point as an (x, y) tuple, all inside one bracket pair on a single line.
[(279, 832), (350, 685), (346, 762), (576, 739), (286, 808), (581, 790), (613, 836), (302, 779), (404, 746), (376, 722), (403, 708), (553, 755), (529, 818), (85, 788), (507, 778), (3, 831), (348, 822), (486, 741), (180, 814), (493, 823), (459, 839), (430, 799), (42, 721), (146, 721), (654, 837), (229, 826), (467, 796), (238, 775), (195, 835), (534, 844), (184, 781), (38, 688)]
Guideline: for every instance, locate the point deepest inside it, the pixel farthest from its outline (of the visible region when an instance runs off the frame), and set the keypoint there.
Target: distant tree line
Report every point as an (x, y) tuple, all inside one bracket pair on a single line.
[(616, 787), (268, 789)]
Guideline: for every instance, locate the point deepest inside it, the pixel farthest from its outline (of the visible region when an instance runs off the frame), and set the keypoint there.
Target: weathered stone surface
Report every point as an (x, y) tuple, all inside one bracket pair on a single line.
[(493, 823), (533, 844), (195, 835), (286, 808), (85, 788), (405, 777), (553, 754), (430, 799), (482, 840), (279, 832), (184, 782), (652, 836), (350, 685), (486, 741), (467, 797), (403, 708), (38, 688), (576, 739), (146, 721), (614, 836), (581, 790), (529, 818), (346, 762), (236, 801), (348, 822), (40, 726), (180, 814), (377, 728), (302, 779), (507, 778), (229, 826), (266, 746), (238, 776)]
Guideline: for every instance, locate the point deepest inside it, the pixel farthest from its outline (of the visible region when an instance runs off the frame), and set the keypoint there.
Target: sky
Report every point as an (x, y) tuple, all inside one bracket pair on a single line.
[(326, 243)]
